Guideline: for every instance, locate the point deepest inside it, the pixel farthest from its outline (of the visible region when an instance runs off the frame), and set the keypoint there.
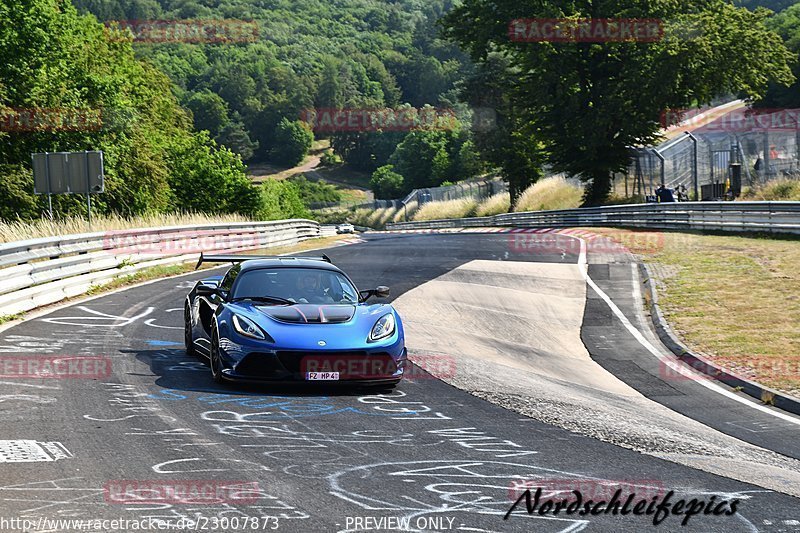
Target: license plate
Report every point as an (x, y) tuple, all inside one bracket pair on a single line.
[(322, 376)]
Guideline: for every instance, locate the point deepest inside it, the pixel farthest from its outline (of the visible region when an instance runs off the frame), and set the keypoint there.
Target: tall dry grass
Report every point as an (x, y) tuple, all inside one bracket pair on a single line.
[(410, 209), (777, 190), (21, 231), (549, 194), (460, 208), (494, 205), (373, 218)]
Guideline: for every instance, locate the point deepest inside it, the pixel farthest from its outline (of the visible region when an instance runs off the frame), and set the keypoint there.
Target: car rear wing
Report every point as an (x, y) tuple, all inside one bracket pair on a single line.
[(242, 258)]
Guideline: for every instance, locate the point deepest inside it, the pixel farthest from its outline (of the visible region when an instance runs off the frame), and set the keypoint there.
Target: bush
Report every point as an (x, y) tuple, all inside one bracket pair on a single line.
[(494, 205), (281, 200), (461, 208), (210, 180), (386, 183), (410, 209), (17, 200), (315, 191), (329, 159), (549, 194), (293, 140), (777, 190)]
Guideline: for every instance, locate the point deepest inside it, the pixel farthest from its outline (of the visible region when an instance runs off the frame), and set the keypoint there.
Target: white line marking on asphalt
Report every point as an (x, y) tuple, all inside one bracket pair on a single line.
[(700, 380), (113, 321), (151, 322), (31, 451), (29, 385)]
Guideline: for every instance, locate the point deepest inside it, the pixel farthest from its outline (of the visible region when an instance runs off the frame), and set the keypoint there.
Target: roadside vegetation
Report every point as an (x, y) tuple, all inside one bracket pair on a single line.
[(494, 205), (177, 119), (733, 298), (549, 194), (35, 229), (460, 208), (165, 271), (778, 190)]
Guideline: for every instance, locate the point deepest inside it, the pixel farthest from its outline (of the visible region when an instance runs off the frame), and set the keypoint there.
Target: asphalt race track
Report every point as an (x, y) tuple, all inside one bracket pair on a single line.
[(349, 460)]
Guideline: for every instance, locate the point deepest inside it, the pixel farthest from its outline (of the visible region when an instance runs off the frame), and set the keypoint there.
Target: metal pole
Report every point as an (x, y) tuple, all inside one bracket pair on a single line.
[(695, 167), (663, 167), (627, 177), (49, 187), (88, 184)]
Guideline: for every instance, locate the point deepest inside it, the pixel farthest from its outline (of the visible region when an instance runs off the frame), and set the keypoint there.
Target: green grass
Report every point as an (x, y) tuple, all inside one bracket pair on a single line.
[(345, 174), (8, 318), (778, 190), (734, 298)]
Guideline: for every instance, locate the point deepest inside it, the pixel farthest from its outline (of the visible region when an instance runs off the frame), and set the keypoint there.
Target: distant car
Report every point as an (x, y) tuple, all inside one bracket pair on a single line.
[(292, 319), (345, 228)]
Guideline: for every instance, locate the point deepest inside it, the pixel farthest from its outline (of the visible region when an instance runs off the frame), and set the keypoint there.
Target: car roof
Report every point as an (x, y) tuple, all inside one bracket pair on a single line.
[(288, 262)]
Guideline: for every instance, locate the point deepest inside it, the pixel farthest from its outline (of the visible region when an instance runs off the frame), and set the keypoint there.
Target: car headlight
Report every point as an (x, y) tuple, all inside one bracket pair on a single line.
[(247, 327), (383, 328)]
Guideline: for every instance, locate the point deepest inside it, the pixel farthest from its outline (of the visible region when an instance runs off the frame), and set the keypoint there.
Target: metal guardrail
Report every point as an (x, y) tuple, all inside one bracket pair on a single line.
[(43, 271), (766, 217)]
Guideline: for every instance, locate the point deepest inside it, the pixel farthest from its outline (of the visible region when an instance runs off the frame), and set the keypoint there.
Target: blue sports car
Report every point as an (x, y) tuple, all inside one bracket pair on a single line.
[(292, 319)]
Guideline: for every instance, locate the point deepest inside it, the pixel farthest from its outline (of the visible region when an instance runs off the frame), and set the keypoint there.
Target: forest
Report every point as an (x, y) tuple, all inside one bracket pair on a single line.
[(181, 117)]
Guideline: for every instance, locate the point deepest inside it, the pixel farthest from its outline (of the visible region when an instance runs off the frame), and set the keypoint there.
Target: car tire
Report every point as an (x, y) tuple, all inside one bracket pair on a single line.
[(214, 362), (188, 336)]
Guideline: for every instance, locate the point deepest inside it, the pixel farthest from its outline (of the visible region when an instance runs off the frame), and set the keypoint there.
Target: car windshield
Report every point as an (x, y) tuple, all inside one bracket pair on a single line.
[(281, 286)]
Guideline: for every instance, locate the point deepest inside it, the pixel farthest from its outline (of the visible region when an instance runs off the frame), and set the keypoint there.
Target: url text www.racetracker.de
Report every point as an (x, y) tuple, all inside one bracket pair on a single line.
[(198, 523), (658, 507)]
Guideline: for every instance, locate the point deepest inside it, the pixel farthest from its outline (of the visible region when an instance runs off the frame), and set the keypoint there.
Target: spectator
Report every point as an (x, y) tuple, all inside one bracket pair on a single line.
[(665, 195)]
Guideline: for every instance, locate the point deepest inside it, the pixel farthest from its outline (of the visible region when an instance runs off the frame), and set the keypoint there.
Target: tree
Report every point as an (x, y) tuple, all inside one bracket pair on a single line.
[(505, 138), (280, 200), (293, 140), (235, 137), (210, 180), (588, 102), (787, 25), (210, 112), (422, 159), (386, 183)]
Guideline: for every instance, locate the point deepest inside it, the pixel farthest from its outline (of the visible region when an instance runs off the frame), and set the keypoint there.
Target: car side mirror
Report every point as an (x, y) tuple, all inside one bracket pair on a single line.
[(207, 291), (380, 292)]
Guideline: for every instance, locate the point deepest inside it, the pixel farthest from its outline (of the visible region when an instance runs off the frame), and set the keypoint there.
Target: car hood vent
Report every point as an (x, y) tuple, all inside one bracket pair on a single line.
[(311, 314)]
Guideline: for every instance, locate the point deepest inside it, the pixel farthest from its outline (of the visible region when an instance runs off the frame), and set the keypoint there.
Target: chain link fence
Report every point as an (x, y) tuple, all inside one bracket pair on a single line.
[(711, 165), (479, 190)]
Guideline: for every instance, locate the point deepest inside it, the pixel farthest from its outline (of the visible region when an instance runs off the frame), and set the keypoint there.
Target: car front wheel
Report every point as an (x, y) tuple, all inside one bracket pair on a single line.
[(188, 336), (215, 363)]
